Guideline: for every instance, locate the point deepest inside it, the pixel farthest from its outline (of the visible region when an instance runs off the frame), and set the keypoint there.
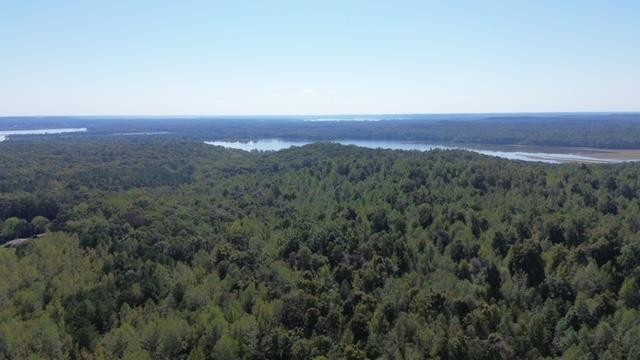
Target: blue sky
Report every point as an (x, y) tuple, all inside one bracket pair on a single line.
[(154, 57)]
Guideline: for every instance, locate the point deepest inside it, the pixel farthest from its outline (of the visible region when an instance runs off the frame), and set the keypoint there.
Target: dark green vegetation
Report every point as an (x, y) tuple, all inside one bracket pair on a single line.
[(614, 131), (170, 249)]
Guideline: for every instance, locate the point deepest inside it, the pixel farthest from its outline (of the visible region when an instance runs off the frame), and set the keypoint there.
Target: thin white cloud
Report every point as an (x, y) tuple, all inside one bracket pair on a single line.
[(308, 92), (331, 92)]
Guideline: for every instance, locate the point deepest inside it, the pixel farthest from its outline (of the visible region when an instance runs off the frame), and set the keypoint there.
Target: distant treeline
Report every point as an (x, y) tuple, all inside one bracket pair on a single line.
[(616, 131)]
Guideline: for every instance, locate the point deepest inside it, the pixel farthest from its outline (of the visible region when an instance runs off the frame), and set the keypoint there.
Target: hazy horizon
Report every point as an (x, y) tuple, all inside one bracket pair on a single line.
[(248, 115)]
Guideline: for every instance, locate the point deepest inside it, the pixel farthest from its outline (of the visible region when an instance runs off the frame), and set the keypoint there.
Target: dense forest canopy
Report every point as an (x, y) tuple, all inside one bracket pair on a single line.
[(615, 131), (144, 248)]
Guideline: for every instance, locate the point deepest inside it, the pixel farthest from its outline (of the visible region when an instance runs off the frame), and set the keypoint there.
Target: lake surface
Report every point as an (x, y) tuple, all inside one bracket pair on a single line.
[(143, 133), (554, 155), (4, 134)]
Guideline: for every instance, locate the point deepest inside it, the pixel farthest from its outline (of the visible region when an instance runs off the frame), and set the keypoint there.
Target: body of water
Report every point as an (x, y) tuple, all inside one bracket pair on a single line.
[(4, 134), (143, 133), (259, 145), (553, 155)]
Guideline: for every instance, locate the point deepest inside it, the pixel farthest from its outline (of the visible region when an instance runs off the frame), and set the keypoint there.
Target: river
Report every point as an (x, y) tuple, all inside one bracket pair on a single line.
[(546, 154), (4, 134)]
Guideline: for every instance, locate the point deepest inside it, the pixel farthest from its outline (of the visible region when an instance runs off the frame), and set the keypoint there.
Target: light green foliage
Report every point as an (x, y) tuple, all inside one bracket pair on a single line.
[(227, 348), (33, 338)]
